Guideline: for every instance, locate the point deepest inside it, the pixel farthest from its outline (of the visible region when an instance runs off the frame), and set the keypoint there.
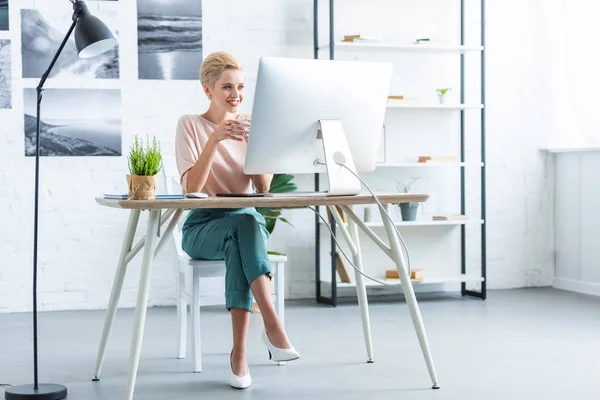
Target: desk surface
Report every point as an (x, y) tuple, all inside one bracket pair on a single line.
[(279, 202)]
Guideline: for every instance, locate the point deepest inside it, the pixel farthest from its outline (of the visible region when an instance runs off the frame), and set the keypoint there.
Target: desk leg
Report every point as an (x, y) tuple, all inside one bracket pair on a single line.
[(361, 289), (352, 239), (142, 300), (117, 288), (409, 293)]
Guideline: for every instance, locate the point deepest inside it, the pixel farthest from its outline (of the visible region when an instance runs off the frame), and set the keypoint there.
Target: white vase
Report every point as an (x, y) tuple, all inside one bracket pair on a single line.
[(442, 98)]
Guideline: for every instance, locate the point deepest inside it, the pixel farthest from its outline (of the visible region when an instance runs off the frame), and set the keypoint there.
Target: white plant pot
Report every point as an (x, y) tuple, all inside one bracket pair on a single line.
[(442, 98)]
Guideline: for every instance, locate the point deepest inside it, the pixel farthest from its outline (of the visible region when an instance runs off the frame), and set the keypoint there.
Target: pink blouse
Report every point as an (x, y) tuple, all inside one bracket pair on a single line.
[(226, 174)]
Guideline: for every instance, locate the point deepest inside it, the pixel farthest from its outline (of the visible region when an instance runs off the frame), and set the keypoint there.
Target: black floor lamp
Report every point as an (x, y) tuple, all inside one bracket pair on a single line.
[(92, 38)]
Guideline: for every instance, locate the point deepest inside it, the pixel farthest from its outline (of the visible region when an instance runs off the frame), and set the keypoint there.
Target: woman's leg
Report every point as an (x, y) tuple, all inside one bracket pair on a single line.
[(239, 240), (240, 320), (262, 294), (249, 267)]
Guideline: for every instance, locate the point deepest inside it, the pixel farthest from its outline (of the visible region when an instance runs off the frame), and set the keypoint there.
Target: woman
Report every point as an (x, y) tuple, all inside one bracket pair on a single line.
[(210, 151)]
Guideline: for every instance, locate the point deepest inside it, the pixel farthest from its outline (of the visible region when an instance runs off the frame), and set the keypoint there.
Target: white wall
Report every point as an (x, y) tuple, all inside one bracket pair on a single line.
[(79, 240), (572, 83), (576, 218)]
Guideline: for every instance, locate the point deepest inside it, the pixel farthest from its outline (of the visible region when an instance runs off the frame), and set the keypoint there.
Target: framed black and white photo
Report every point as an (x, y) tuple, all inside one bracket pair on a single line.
[(4, 25), (74, 122), (5, 75), (42, 31), (169, 39)]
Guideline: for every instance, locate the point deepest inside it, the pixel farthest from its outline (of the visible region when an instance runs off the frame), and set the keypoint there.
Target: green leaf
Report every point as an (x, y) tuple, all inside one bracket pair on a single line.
[(281, 183), (287, 222), (280, 180), (144, 160), (270, 225)]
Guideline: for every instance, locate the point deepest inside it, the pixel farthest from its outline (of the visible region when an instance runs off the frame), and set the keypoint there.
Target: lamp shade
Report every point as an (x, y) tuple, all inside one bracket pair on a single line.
[(92, 36)]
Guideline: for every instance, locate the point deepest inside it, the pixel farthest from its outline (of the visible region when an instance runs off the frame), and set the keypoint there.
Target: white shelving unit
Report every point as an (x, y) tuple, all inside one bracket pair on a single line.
[(425, 223), (412, 104), (420, 165), (427, 280), (408, 55), (423, 165), (423, 47)]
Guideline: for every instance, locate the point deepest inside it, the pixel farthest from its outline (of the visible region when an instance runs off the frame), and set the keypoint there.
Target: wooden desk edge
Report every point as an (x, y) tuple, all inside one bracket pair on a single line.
[(275, 202)]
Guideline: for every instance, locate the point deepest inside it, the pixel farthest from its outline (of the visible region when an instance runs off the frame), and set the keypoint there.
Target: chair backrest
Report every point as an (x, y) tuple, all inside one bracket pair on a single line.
[(171, 183)]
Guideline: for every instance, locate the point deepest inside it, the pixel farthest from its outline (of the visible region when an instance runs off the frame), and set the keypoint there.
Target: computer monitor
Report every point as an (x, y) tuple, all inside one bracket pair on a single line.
[(304, 106)]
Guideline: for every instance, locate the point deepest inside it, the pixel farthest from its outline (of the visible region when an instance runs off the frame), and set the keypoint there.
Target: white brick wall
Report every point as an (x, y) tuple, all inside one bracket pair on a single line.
[(80, 241)]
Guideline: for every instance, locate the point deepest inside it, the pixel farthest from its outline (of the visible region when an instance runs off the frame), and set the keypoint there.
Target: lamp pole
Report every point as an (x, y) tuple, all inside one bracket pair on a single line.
[(90, 31)]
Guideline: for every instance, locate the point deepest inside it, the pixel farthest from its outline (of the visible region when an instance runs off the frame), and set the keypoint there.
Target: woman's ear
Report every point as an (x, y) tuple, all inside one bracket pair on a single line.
[(207, 91)]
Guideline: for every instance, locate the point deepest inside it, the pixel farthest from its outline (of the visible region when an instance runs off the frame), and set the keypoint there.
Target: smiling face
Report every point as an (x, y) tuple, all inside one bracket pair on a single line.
[(228, 91)]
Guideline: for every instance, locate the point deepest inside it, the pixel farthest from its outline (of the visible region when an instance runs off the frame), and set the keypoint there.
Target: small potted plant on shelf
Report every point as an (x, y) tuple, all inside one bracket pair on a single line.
[(145, 161), (442, 94), (407, 210)]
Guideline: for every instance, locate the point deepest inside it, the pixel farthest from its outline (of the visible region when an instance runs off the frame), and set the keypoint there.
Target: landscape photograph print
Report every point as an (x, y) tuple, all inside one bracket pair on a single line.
[(5, 75), (42, 31), (169, 39), (4, 15), (74, 122)]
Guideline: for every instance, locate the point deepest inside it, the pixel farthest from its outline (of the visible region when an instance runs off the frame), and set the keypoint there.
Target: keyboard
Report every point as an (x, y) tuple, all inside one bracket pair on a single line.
[(297, 194)]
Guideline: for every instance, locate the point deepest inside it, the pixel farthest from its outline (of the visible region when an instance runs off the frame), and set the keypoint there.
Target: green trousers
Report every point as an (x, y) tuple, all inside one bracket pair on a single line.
[(237, 236)]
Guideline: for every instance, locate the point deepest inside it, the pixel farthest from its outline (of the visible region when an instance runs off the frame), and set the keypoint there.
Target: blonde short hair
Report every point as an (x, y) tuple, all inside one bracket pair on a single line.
[(214, 65)]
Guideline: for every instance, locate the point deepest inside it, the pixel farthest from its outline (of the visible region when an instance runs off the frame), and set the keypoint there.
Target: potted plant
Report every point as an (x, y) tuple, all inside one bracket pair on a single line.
[(281, 183), (442, 94), (407, 210), (145, 161)]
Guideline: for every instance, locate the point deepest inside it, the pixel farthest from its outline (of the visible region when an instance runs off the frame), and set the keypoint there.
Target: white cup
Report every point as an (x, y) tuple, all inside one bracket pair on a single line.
[(242, 119)]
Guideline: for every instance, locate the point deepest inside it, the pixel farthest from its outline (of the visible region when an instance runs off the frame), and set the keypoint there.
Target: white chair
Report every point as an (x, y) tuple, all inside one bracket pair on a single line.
[(188, 275)]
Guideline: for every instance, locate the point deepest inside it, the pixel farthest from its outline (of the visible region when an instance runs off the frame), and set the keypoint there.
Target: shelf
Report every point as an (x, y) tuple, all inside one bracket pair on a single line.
[(421, 165), (427, 223), (432, 106), (425, 48), (379, 224), (571, 149), (426, 280)]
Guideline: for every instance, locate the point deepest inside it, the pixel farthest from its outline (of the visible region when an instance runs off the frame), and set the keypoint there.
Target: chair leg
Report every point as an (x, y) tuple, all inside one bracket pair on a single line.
[(280, 296), (182, 316), (280, 291), (195, 311)]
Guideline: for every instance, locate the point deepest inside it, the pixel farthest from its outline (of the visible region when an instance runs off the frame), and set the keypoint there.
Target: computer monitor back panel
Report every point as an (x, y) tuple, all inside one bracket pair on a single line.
[(292, 95)]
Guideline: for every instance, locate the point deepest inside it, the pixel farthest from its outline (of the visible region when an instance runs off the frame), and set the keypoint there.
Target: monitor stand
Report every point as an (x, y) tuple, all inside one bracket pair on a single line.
[(336, 149)]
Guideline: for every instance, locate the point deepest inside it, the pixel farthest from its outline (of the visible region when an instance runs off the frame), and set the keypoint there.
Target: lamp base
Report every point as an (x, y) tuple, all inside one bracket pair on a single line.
[(45, 391)]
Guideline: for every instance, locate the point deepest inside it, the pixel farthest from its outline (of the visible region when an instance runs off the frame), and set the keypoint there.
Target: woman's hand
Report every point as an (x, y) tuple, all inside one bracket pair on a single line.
[(231, 129)]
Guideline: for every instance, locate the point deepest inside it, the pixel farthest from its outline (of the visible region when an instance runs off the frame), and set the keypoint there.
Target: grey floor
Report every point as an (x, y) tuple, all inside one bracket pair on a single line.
[(520, 344)]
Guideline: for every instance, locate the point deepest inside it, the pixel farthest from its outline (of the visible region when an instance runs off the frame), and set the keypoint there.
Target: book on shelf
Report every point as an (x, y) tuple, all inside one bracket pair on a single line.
[(395, 97), (438, 159), (115, 196), (415, 274), (457, 217), (359, 39)]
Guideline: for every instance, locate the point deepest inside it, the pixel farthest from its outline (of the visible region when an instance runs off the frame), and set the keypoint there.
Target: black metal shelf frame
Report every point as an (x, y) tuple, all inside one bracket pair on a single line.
[(332, 301)]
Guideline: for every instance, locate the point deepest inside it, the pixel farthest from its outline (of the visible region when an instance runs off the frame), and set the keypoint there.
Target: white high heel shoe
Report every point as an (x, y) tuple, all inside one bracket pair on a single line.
[(239, 382), (276, 354)]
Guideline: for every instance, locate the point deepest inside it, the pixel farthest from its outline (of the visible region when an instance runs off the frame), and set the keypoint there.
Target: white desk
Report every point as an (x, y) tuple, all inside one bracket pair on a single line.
[(160, 211)]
